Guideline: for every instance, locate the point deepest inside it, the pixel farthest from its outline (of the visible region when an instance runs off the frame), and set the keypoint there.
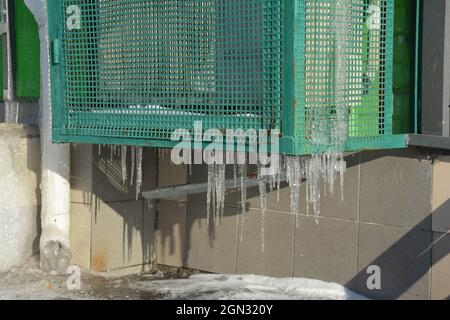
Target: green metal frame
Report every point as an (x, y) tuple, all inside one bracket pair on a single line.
[(294, 140), (292, 78), (54, 8), (27, 53)]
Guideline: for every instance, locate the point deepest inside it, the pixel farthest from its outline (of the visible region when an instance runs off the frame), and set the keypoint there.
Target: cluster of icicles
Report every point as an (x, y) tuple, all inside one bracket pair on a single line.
[(312, 170), (136, 156)]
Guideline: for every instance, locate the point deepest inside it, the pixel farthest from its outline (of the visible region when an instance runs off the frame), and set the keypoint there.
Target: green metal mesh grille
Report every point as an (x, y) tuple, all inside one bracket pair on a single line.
[(320, 70), (344, 94), (140, 69)]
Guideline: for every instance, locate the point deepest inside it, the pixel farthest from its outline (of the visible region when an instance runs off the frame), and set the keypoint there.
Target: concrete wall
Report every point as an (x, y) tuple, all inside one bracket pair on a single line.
[(28, 113), (19, 194), (396, 215)]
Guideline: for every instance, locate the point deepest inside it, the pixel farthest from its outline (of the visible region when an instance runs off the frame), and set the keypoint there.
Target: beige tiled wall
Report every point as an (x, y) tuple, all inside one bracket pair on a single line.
[(110, 229), (384, 220), (395, 215), (440, 284)]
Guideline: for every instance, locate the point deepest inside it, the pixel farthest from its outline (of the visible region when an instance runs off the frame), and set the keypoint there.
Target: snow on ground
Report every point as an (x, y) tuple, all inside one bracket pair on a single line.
[(247, 287), (29, 283)]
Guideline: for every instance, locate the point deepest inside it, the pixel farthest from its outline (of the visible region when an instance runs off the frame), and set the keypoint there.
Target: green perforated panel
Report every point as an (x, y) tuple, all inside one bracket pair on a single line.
[(319, 70), (141, 69), (342, 88)]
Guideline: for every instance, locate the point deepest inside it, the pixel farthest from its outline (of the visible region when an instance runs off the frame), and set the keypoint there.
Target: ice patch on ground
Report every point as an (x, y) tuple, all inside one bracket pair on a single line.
[(247, 287), (30, 283)]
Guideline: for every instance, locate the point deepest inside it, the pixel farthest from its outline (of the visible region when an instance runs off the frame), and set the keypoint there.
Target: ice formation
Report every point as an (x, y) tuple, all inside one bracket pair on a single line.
[(316, 170), (209, 192), (133, 164), (136, 158), (243, 176), (216, 192), (294, 176), (123, 162), (313, 169), (263, 198), (139, 156)]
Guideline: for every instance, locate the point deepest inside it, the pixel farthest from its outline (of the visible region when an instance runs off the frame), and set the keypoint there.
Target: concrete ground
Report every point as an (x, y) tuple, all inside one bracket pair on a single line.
[(29, 283)]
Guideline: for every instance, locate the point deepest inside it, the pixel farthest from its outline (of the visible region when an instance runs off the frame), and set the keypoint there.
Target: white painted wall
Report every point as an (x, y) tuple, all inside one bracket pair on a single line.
[(55, 184)]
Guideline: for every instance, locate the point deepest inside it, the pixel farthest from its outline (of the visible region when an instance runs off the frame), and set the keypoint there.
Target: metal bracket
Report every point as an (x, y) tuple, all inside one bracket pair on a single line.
[(55, 51), (429, 141)]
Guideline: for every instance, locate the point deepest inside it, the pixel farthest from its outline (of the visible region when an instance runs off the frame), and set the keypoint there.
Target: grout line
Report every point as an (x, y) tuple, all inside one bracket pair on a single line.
[(304, 215)]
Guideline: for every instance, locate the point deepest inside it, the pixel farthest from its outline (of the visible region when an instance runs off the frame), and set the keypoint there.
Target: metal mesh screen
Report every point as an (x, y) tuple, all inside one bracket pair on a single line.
[(140, 69), (345, 91), (319, 70)]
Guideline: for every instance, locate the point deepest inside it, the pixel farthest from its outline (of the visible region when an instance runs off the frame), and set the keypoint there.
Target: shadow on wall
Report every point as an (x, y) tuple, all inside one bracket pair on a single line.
[(409, 260), (121, 227), (28, 113), (2, 112), (418, 257)]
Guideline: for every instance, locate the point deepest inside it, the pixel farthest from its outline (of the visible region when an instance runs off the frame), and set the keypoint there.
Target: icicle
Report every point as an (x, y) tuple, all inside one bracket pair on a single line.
[(324, 171), (297, 185), (111, 150), (342, 170), (278, 185), (243, 175), (123, 161), (133, 162), (220, 190), (223, 187), (263, 198), (138, 171), (271, 183), (282, 165), (216, 193), (210, 191), (235, 173), (308, 186), (99, 150), (313, 175), (294, 178), (331, 168)]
